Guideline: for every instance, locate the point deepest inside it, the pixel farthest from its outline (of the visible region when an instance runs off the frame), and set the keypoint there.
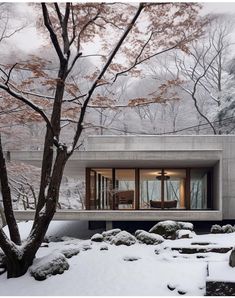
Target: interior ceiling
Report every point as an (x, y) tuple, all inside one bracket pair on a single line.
[(129, 174), (77, 168)]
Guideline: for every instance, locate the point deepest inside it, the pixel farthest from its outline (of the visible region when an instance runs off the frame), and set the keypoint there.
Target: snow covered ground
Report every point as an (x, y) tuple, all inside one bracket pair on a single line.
[(108, 272)]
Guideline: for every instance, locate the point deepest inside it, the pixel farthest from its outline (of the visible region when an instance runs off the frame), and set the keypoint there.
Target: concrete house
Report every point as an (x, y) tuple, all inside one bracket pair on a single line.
[(151, 178)]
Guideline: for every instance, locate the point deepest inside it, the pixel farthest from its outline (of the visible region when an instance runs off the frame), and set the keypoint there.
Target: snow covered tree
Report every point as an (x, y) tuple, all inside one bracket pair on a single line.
[(203, 72), (147, 30)]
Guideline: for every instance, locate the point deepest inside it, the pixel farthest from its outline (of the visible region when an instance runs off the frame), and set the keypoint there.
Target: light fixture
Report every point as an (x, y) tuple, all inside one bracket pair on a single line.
[(165, 177)]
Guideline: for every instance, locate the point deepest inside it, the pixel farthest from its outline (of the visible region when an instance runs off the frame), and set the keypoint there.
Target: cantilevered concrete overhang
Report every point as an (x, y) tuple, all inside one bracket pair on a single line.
[(127, 159), (175, 158)]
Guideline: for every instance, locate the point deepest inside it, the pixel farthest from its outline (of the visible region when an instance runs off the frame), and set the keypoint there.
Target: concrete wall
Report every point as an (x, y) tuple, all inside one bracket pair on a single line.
[(162, 143)]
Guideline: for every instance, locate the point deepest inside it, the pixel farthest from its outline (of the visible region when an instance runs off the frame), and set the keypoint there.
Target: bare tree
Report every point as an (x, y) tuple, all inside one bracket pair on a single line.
[(204, 71), (69, 25)]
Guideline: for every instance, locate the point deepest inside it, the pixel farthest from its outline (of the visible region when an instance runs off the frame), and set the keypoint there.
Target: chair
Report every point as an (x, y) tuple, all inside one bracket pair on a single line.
[(166, 204), (124, 197)]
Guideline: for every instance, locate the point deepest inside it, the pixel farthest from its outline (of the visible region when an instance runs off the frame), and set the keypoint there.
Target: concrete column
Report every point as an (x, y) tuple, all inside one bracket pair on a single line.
[(108, 225)]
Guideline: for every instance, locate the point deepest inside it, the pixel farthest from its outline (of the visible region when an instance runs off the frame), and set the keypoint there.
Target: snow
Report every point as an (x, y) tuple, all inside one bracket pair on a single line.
[(185, 225), (221, 271), (148, 238), (123, 238), (126, 270), (185, 234), (54, 263), (97, 237), (58, 229)]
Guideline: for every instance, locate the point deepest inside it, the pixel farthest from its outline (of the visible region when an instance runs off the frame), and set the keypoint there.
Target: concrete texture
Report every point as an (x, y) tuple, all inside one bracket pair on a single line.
[(132, 215)]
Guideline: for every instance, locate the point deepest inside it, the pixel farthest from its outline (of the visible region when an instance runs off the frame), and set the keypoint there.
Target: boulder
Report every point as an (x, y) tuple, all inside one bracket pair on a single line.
[(166, 229), (123, 238), (70, 252), (104, 247), (108, 235), (97, 237), (182, 234), (232, 258), (86, 246), (185, 225), (148, 238), (138, 232), (52, 264), (216, 229), (131, 258), (227, 229)]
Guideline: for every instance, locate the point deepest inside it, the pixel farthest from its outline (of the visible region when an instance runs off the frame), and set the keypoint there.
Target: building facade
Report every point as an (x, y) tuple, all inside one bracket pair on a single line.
[(155, 177)]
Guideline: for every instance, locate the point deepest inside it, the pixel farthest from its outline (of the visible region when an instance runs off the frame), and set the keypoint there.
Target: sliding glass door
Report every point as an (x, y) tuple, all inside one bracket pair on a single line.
[(201, 189), (162, 188)]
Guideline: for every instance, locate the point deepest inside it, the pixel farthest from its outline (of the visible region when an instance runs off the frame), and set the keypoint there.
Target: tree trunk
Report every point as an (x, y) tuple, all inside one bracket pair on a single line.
[(7, 202), (17, 267)]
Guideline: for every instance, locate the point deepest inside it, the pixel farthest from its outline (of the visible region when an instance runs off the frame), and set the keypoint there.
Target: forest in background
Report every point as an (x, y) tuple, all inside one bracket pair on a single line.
[(199, 80)]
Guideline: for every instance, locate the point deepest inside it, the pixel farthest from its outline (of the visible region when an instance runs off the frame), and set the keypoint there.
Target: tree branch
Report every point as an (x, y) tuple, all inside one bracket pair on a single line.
[(53, 36), (105, 67), (7, 202), (28, 103)]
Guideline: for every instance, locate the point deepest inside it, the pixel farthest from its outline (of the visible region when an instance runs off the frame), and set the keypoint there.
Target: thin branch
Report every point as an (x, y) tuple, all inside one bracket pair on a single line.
[(28, 103), (195, 89), (9, 74), (53, 36), (143, 60), (105, 67), (59, 15)]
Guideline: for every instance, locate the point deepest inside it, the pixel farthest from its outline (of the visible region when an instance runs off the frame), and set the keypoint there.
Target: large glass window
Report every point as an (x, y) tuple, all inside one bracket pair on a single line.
[(200, 188), (174, 188), (124, 191), (100, 188), (150, 188), (160, 188)]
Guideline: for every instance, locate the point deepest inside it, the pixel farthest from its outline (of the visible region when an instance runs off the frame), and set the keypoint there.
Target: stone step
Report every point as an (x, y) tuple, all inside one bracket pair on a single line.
[(195, 250)]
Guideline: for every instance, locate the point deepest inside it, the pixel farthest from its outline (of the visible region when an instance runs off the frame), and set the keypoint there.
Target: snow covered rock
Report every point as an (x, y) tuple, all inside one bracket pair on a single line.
[(108, 235), (137, 232), (232, 258), (131, 258), (52, 264), (70, 252), (181, 234), (104, 247), (185, 225), (86, 246), (171, 286), (166, 228), (149, 238), (216, 229), (123, 238), (227, 229), (97, 237), (182, 292)]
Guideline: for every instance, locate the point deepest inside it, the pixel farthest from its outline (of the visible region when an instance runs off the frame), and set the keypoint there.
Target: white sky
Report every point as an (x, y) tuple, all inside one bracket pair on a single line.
[(29, 39)]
